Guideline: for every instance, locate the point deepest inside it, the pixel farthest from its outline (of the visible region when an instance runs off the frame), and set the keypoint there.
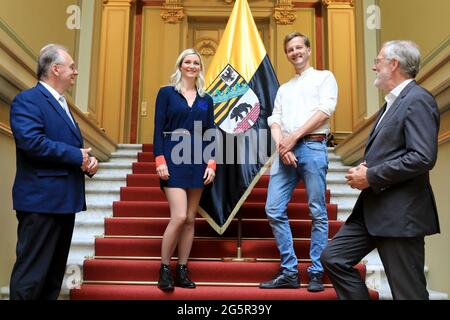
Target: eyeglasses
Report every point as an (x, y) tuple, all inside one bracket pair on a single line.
[(378, 60), (73, 67)]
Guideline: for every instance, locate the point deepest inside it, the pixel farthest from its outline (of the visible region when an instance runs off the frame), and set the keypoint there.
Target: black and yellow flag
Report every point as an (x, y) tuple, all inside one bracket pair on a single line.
[(243, 85)]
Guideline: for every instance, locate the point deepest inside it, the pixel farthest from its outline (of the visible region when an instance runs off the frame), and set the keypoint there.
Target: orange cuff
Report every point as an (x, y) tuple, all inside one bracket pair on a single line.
[(212, 164), (160, 160)]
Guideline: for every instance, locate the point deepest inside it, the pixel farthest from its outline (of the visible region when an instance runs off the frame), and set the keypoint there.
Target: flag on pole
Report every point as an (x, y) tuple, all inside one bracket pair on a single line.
[(243, 85)]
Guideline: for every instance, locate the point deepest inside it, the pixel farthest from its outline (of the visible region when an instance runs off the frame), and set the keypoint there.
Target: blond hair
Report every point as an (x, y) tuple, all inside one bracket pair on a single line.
[(175, 78)]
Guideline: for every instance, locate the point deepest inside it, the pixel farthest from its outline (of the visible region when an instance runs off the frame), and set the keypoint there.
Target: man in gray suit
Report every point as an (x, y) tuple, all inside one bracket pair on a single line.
[(396, 208)]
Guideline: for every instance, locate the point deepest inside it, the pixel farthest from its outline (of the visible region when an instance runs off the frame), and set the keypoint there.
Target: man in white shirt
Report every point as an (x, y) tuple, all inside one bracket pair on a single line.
[(299, 127), (395, 209)]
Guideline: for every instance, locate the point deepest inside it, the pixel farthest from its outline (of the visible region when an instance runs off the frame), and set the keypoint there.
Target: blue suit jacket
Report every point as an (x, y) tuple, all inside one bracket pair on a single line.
[(49, 178)]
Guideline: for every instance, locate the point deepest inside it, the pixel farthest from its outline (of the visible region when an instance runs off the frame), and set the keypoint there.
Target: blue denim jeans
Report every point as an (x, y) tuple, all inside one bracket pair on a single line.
[(312, 168)]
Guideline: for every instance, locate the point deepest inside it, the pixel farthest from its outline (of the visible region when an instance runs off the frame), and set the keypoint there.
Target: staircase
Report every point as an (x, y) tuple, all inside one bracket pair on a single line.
[(141, 271), (125, 260)]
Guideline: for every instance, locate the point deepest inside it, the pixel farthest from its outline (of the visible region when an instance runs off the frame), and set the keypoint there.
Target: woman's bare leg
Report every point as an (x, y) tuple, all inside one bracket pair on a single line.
[(187, 233), (178, 203)]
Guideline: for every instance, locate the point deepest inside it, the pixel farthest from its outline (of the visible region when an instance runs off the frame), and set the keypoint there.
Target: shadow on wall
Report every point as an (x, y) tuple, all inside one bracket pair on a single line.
[(8, 225)]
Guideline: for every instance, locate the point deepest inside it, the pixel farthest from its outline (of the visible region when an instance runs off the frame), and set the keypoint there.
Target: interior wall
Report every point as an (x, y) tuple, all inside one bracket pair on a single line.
[(33, 24), (47, 19), (437, 254), (424, 22), (8, 222)]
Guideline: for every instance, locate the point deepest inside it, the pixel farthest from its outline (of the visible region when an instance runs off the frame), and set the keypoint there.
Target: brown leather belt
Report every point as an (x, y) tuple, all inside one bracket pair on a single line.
[(315, 137)]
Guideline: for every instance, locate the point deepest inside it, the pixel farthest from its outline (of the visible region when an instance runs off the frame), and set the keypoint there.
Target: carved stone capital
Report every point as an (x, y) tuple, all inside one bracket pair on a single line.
[(172, 11), (284, 13), (206, 47)]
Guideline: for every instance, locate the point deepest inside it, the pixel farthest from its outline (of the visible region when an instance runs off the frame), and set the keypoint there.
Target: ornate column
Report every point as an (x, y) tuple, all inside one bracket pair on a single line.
[(341, 57), (113, 67)]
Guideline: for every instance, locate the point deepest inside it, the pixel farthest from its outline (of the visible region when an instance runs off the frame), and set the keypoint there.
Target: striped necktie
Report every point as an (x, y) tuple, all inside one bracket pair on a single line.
[(64, 105)]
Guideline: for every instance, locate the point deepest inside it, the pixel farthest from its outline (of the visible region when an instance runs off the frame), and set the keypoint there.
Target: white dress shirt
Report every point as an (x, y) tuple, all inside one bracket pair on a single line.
[(392, 96), (301, 97), (60, 98)]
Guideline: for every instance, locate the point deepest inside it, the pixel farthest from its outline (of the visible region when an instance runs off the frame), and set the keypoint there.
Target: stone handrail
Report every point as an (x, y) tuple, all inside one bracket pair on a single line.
[(17, 73)]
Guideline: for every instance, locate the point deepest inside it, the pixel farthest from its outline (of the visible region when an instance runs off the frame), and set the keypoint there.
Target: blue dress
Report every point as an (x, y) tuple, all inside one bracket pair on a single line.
[(178, 136)]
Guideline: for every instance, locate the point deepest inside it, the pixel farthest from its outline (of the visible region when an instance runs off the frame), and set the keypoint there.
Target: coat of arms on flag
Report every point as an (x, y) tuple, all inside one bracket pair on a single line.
[(236, 106), (243, 86)]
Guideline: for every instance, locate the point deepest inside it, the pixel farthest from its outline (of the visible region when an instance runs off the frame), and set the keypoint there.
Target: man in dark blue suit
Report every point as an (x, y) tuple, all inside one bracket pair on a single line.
[(396, 208), (49, 185)]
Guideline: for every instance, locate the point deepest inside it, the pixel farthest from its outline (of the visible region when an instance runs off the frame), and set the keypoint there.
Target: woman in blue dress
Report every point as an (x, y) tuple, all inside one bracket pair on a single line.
[(183, 113)]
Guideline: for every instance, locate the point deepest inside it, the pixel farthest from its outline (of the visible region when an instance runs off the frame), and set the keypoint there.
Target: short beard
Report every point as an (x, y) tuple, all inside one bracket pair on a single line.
[(381, 78)]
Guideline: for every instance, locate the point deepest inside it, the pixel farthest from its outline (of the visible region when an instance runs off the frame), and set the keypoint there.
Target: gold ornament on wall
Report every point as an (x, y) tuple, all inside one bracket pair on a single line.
[(206, 47), (284, 12), (327, 3), (172, 11)]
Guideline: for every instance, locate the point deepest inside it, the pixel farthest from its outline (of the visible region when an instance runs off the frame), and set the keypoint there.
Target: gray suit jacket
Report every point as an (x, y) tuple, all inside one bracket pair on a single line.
[(400, 152)]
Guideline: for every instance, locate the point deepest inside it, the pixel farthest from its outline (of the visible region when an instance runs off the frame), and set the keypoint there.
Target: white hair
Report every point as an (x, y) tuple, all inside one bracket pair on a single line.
[(407, 53), (175, 78), (49, 54)]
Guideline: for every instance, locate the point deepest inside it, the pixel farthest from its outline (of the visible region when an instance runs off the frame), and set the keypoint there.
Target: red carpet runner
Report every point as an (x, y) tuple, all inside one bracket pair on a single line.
[(127, 258)]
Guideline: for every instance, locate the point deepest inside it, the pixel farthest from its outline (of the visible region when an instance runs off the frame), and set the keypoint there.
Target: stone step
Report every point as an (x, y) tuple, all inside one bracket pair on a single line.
[(89, 228), (376, 279), (385, 294), (343, 204), (342, 188), (111, 165), (136, 147), (337, 167), (110, 168), (81, 247), (102, 197), (105, 185), (334, 158), (98, 210), (106, 175), (124, 153), (123, 159)]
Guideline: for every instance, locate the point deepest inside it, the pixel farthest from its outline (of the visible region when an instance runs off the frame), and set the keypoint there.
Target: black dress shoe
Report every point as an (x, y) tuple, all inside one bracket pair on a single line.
[(165, 282), (182, 277), (315, 282), (281, 280)]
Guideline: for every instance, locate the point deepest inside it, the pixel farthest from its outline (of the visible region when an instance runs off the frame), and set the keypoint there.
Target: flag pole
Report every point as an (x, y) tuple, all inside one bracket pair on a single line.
[(239, 257)]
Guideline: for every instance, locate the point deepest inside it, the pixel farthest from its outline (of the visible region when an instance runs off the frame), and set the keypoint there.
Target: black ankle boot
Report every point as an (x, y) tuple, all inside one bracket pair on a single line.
[(165, 282), (182, 277)]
